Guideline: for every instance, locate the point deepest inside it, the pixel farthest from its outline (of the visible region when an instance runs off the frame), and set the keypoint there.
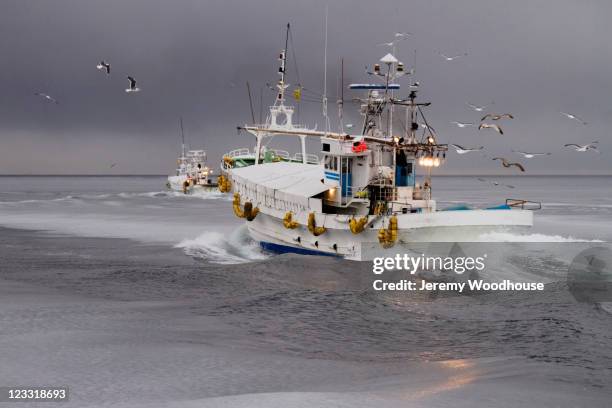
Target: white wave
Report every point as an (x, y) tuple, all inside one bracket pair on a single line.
[(205, 195), (211, 195), (216, 247), (513, 237), (75, 199), (577, 205)]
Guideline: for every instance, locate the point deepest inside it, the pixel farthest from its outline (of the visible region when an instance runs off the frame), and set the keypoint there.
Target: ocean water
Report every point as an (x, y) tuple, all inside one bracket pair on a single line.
[(135, 296)]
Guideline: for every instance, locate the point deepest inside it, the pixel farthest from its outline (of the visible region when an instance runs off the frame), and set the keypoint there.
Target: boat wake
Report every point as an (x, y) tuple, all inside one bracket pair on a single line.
[(514, 237), (235, 248), (81, 198), (204, 195)]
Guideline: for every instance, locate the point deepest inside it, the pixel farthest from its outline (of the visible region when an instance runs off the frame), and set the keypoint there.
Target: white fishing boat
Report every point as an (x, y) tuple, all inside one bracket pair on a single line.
[(362, 200), (192, 173)]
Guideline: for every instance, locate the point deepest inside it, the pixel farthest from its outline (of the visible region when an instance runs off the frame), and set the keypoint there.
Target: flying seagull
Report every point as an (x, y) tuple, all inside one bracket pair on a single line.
[(583, 148), (102, 65), (477, 108), (491, 126), (463, 150), (572, 116), (447, 58), (113, 165), (133, 87), (47, 97), (495, 183), (508, 164), (428, 127), (398, 37), (462, 124), (528, 155), (494, 116)]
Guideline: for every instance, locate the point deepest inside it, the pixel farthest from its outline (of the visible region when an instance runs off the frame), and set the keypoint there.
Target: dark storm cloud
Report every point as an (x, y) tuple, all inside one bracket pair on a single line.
[(192, 58)]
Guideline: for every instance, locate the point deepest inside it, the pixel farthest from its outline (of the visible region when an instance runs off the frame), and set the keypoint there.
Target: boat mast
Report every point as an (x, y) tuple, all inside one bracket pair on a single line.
[(182, 137), (341, 100), (327, 126), (282, 70), (250, 101), (279, 104)]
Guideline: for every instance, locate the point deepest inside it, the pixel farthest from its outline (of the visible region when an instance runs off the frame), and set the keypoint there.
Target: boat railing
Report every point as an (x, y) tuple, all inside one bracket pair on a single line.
[(238, 152), (283, 154), (310, 158), (523, 204), (404, 208)]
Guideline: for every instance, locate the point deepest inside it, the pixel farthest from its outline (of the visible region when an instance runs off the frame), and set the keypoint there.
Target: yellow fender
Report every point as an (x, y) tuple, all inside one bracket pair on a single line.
[(224, 184), (247, 212), (220, 182), (312, 226), (387, 237), (236, 205), (358, 225), (185, 186), (227, 185), (379, 209), (288, 221)]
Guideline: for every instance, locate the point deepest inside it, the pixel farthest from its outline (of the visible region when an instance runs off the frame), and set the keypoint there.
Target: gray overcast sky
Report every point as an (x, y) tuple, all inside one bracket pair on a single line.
[(192, 58)]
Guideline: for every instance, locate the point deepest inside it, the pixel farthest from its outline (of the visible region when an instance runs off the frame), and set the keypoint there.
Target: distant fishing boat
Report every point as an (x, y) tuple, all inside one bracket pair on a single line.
[(192, 174), (362, 199)]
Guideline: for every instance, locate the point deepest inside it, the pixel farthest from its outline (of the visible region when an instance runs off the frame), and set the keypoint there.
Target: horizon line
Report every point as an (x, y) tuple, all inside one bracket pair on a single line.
[(433, 175)]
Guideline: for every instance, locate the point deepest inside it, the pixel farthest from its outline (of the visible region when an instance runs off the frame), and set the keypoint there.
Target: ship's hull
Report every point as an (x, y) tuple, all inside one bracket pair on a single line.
[(338, 240), (177, 183)]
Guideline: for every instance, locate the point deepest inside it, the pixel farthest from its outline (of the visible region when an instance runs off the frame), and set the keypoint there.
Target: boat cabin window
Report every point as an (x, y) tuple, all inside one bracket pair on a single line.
[(326, 147), (331, 163)]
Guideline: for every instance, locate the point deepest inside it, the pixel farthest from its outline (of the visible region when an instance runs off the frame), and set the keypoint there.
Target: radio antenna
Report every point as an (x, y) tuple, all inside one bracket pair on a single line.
[(182, 137), (341, 100), (327, 127), (250, 102)]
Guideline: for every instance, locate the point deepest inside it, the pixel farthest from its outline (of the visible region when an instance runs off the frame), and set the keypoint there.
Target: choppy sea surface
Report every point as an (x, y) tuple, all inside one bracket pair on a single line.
[(133, 295)]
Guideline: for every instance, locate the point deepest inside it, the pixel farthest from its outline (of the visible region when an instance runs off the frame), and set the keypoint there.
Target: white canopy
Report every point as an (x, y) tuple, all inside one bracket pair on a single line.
[(283, 180)]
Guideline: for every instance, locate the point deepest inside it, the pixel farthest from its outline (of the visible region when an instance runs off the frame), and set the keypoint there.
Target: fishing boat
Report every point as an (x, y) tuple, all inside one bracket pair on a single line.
[(362, 199), (191, 174)]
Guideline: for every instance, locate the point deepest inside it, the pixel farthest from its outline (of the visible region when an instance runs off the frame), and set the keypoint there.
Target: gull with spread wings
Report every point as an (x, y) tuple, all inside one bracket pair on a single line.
[(103, 65), (133, 87), (494, 116), (573, 117), (491, 126), (529, 155), (583, 148), (463, 150), (507, 164)]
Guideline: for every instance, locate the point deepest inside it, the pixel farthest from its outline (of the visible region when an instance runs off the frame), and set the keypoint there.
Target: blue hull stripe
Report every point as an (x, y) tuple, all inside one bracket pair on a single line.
[(332, 176), (284, 249)]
